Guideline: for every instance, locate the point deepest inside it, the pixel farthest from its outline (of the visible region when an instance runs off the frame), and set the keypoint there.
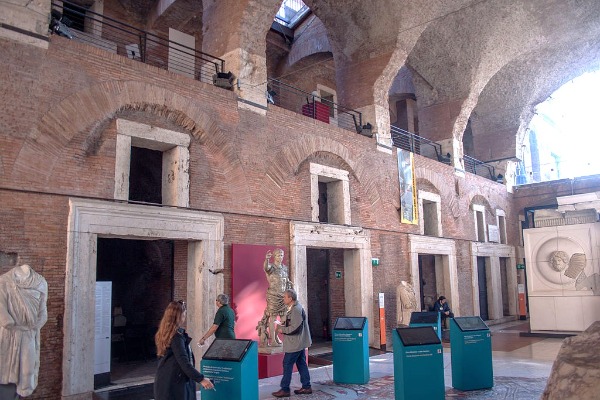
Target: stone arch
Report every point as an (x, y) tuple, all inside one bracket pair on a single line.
[(86, 109), (310, 42)]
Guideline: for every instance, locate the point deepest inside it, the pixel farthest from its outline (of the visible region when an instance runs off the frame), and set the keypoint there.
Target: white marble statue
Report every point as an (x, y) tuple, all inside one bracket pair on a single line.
[(23, 295), (406, 302)]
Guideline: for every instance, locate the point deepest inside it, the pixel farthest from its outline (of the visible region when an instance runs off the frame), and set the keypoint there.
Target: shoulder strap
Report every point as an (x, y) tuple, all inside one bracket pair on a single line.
[(299, 328)]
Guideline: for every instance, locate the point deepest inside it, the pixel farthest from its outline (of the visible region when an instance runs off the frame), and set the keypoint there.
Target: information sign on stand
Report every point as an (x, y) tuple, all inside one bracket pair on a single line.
[(418, 364), (471, 346), (428, 318), (232, 365), (350, 350)]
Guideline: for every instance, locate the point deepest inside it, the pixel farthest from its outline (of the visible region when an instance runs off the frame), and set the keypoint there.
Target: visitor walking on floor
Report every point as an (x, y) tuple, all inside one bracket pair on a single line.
[(296, 339), (175, 375), (224, 321)]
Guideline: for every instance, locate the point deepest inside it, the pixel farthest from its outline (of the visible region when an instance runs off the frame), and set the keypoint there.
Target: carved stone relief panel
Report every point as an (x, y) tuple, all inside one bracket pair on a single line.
[(563, 260)]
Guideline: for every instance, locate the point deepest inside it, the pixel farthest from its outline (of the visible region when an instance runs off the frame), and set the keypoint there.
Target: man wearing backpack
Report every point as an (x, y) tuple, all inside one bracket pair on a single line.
[(296, 339)]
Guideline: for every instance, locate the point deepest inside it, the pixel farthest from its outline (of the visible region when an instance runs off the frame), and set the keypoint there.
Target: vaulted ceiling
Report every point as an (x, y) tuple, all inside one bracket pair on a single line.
[(492, 60)]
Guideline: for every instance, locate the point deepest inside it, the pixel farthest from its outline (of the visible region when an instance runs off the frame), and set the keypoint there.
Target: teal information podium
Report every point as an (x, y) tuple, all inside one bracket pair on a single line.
[(232, 365), (471, 349), (432, 319), (350, 342), (418, 364)]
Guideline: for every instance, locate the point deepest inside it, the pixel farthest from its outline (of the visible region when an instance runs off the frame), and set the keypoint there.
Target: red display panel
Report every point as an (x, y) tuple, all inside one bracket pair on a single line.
[(249, 286)]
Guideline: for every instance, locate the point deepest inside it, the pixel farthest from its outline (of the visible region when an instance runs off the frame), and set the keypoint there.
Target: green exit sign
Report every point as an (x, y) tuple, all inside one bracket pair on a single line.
[(338, 274), (374, 262), (520, 266)]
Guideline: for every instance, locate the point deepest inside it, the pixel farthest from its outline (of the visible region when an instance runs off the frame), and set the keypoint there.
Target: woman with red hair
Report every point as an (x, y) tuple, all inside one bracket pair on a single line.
[(176, 374)]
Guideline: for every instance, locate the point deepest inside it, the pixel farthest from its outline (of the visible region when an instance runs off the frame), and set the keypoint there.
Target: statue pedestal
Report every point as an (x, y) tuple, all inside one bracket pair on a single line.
[(272, 364)]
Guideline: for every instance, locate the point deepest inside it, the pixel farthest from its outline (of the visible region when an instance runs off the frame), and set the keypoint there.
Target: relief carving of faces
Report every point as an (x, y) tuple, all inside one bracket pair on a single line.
[(559, 260)]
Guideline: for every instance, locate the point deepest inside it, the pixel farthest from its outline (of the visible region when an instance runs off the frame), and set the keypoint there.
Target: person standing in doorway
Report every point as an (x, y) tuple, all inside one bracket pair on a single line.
[(224, 321), (296, 339), (175, 375)]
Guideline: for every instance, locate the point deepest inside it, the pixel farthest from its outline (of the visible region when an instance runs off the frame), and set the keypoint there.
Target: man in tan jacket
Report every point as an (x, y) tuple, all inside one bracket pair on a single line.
[(296, 339)]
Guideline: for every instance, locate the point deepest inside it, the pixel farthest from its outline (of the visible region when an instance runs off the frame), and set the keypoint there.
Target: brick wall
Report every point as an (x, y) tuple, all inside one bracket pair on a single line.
[(58, 140)]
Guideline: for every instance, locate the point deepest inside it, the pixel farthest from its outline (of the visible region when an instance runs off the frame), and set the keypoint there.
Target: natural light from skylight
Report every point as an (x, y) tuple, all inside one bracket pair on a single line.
[(566, 132), (290, 12)]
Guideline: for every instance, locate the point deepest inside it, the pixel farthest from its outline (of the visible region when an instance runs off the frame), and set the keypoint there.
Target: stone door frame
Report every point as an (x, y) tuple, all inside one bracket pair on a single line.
[(493, 252), (90, 219), (446, 263), (358, 274)]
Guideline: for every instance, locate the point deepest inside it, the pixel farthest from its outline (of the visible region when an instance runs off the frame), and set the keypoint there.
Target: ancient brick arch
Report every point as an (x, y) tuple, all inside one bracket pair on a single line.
[(288, 161), (84, 110)]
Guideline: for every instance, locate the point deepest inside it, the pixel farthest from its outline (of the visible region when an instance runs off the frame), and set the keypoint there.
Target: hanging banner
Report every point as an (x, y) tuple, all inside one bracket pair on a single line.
[(409, 208)]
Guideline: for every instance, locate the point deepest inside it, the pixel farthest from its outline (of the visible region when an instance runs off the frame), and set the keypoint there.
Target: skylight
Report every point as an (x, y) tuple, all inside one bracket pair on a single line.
[(291, 12)]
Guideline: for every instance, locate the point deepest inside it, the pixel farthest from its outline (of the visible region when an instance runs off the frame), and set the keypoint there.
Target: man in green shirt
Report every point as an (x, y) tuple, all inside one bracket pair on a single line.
[(224, 321)]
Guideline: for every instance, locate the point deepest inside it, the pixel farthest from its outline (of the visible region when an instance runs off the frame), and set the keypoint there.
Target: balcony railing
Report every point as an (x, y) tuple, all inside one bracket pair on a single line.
[(427, 148), (480, 168), (286, 96), (77, 23), (419, 145)]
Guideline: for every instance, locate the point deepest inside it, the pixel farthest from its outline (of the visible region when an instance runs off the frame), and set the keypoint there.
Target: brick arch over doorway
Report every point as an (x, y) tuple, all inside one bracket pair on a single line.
[(85, 109), (288, 162)]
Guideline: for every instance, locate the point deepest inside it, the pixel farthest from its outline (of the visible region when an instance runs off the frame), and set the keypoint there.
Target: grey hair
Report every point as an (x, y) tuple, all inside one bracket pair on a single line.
[(223, 299), (292, 294)]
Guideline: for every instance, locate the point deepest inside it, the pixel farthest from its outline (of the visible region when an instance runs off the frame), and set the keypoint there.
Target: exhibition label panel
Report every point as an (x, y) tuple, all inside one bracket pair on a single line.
[(418, 364), (427, 318), (232, 365), (471, 349), (351, 350)]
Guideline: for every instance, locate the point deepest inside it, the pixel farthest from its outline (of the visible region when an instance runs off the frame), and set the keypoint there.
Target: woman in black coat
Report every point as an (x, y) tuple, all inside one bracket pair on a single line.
[(176, 374)]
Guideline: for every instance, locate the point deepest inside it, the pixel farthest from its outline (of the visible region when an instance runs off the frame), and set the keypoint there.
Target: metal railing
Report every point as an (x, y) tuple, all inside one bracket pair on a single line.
[(120, 38), (286, 96), (480, 168), (430, 149), (419, 145)]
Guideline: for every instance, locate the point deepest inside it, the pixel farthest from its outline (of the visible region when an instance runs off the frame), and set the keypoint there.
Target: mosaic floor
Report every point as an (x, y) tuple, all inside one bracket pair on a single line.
[(521, 367)]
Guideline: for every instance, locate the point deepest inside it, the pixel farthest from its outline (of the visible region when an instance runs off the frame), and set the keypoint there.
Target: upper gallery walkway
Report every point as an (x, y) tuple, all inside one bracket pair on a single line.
[(109, 34)]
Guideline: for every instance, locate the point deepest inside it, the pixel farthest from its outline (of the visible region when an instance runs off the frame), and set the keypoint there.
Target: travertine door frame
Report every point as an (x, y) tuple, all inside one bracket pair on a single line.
[(445, 260), (90, 219), (493, 252), (358, 274)]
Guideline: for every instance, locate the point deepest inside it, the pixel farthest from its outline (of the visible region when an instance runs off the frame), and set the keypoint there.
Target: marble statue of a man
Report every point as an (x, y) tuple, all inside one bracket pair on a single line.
[(406, 302), (277, 277), (23, 295)]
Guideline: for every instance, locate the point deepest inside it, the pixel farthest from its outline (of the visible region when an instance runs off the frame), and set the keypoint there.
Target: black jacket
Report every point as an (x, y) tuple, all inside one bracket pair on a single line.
[(176, 374)]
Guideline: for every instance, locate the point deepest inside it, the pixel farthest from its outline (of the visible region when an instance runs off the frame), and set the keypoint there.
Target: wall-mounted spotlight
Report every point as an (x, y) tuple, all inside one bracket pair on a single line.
[(223, 80)]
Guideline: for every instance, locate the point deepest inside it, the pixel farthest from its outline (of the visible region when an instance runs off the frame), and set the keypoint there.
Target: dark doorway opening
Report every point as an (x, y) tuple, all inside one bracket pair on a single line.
[(318, 307), (504, 262), (141, 273), (427, 281), (145, 175), (483, 295), (323, 216)]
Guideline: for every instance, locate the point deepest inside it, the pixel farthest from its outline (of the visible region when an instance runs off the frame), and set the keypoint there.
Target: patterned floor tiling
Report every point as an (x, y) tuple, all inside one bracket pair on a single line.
[(383, 388)]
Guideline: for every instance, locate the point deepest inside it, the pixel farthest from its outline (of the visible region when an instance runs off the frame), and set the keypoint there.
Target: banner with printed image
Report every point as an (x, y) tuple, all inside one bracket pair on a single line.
[(409, 208)]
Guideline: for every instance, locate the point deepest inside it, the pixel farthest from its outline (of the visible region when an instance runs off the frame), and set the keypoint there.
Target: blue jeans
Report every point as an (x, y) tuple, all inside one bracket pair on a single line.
[(289, 359)]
